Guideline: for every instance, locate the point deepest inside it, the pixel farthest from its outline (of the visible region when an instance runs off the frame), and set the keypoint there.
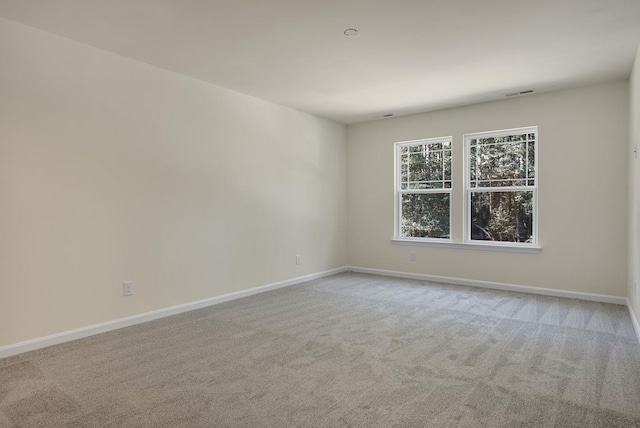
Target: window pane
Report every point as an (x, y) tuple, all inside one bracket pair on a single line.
[(425, 215), (473, 160), (499, 163), (500, 183), (404, 177), (425, 185), (425, 166), (434, 166), (531, 170), (502, 216), (417, 168), (447, 165)]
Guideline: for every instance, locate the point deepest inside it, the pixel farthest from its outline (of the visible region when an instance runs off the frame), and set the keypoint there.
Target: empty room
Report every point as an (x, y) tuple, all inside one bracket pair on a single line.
[(304, 213)]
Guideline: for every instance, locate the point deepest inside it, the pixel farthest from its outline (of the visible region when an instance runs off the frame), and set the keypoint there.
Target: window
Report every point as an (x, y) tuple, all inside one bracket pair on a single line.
[(423, 189), (501, 187)]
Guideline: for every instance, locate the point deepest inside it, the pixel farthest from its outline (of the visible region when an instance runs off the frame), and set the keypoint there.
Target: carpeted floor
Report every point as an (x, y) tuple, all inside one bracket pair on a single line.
[(350, 350)]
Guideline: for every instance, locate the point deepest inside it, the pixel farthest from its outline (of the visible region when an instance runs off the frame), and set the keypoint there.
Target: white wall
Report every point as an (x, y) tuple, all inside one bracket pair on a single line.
[(583, 136), (111, 169), (634, 187)]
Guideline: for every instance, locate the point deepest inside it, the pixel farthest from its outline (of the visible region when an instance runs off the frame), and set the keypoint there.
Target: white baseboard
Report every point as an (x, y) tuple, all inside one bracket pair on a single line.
[(495, 285), (634, 320), (67, 336)]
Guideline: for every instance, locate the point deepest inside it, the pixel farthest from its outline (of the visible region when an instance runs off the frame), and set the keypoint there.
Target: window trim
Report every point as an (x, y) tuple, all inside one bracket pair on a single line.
[(397, 210), (508, 247), (467, 189)]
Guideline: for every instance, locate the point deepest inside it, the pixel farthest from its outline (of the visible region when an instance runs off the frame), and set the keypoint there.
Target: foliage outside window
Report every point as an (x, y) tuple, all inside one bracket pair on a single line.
[(423, 189), (501, 186)]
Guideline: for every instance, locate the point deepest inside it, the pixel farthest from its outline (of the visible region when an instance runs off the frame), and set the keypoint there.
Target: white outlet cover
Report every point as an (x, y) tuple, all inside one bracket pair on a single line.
[(127, 288)]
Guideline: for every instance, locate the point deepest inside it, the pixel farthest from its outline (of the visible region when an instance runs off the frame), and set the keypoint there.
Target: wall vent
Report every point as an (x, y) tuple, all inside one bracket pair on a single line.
[(526, 92)]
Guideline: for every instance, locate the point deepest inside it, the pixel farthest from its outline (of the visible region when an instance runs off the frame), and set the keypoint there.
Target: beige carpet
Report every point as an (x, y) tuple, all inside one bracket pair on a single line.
[(349, 350)]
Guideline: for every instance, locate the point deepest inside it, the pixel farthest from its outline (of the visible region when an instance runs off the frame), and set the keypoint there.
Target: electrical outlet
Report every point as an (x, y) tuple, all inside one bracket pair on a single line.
[(127, 288), (298, 260), (412, 256)]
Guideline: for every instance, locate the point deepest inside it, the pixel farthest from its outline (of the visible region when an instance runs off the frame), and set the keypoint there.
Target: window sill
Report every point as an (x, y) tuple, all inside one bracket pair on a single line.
[(469, 246)]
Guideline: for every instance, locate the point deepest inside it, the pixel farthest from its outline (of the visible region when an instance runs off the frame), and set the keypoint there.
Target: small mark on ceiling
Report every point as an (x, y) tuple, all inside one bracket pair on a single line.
[(350, 32)]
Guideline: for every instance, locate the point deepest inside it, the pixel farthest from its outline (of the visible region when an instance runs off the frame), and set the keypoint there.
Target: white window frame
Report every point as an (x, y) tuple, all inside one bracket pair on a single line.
[(468, 189), (399, 191)]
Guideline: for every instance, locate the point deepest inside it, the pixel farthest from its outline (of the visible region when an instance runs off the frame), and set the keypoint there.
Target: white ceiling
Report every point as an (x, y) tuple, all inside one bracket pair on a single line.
[(409, 56)]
